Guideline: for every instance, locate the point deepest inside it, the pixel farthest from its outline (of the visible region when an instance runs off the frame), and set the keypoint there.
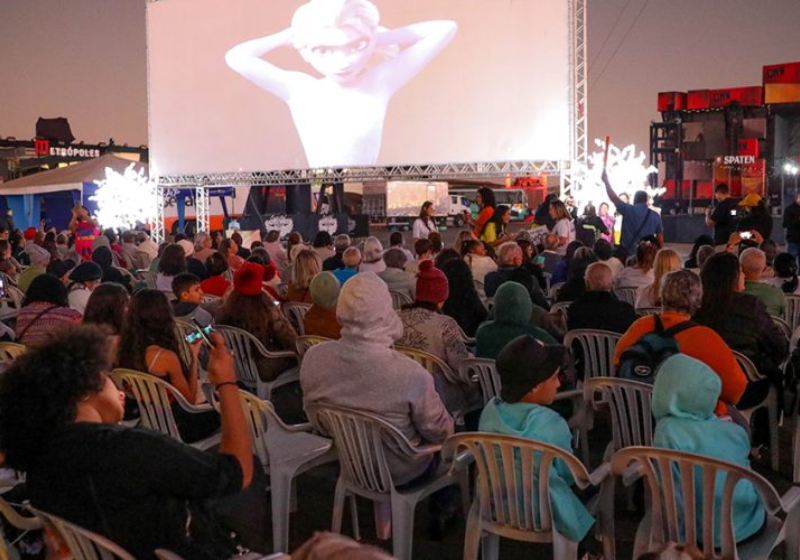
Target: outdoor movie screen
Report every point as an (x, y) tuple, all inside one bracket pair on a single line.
[(266, 85)]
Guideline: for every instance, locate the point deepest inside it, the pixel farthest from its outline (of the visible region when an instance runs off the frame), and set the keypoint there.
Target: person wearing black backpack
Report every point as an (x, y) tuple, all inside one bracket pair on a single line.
[(653, 339)]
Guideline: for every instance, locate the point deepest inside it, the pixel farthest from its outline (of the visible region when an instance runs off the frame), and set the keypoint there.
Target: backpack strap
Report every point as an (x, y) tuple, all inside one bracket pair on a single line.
[(679, 328)]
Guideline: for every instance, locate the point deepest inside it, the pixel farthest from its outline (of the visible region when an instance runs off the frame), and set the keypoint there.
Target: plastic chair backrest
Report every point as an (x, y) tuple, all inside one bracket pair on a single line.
[(431, 363), (791, 312), (513, 478), (484, 372), (16, 295), (245, 348), (561, 307), (153, 397), (645, 311), (626, 294), (677, 501), (554, 290), (783, 326), (10, 351), (82, 543), (296, 313), (360, 438), (306, 341), (598, 350), (149, 277), (748, 367), (548, 279), (630, 403), (399, 299), (182, 330)]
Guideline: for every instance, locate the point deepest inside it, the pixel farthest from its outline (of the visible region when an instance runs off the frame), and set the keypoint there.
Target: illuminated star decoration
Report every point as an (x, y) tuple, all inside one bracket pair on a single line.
[(123, 199), (627, 173)]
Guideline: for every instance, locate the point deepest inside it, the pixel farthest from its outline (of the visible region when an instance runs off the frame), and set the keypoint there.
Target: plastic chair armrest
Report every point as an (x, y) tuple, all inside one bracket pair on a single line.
[(575, 394), (632, 473), (597, 476), (302, 427), (427, 449), (791, 499)]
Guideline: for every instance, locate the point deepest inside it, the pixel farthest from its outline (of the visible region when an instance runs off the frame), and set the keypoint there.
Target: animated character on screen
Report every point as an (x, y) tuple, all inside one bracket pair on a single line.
[(340, 116)]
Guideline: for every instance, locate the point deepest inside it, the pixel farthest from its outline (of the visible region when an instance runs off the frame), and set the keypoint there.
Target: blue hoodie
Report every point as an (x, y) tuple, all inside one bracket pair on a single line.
[(539, 423), (684, 396)]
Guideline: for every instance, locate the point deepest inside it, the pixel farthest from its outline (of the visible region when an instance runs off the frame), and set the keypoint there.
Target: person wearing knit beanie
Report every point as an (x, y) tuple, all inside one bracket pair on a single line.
[(320, 320), (248, 279), (432, 284)]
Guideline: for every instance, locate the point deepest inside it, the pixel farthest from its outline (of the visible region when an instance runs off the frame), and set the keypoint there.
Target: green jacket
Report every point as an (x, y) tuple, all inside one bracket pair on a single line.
[(772, 297)]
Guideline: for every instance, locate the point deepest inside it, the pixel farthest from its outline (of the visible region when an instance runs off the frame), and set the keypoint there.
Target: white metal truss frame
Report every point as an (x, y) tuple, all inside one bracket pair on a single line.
[(158, 231), (202, 209)]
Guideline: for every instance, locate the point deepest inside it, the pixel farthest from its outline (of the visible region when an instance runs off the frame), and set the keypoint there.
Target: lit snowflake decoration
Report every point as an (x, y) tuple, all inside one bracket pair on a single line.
[(627, 173), (123, 199)]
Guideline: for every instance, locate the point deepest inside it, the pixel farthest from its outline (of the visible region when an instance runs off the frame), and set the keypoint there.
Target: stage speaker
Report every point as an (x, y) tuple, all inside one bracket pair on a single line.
[(361, 228), (298, 199)]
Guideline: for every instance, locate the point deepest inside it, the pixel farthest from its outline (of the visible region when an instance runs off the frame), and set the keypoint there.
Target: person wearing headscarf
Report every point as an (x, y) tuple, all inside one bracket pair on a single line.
[(83, 279), (320, 319), (685, 394)]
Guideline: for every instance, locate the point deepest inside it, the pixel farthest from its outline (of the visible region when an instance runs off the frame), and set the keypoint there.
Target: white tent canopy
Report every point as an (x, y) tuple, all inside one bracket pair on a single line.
[(68, 178)]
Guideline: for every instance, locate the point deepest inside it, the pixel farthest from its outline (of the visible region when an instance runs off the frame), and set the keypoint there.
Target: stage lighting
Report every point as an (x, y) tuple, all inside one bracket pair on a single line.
[(125, 199)]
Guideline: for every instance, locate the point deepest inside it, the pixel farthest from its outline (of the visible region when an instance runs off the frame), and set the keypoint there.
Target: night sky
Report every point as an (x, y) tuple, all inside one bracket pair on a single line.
[(86, 60)]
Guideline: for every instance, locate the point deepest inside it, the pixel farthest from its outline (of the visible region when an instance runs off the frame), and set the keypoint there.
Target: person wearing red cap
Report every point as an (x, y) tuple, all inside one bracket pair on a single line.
[(426, 328), (250, 308)]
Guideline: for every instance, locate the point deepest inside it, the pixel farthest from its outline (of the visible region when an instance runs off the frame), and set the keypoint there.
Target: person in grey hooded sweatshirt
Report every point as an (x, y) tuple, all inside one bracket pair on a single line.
[(361, 371)]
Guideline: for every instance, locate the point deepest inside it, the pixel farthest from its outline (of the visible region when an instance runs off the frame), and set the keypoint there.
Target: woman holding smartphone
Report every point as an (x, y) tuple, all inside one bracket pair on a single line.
[(148, 343)]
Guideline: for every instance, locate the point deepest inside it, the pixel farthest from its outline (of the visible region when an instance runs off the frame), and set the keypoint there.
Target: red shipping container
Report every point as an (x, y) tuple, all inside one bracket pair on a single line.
[(745, 96), (788, 73), (671, 101), (748, 147), (698, 99)]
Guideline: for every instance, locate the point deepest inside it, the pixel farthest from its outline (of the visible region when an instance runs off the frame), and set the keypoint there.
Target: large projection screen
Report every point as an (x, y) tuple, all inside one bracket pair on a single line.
[(270, 85)]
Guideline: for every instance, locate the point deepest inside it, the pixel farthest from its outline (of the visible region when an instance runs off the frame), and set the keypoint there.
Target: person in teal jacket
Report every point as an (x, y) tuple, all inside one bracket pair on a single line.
[(685, 394), (512, 312), (529, 372)]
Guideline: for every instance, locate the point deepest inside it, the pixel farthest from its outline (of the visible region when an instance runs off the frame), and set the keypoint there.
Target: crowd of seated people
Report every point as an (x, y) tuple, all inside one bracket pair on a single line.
[(464, 303)]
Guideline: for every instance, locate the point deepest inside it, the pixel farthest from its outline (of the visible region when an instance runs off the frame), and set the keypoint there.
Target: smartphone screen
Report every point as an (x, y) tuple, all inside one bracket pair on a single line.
[(540, 260), (733, 212), (2, 287), (201, 333)]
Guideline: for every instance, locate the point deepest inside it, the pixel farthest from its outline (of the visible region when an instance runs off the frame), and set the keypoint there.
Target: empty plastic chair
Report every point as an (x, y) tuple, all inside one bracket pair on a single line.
[(483, 372)]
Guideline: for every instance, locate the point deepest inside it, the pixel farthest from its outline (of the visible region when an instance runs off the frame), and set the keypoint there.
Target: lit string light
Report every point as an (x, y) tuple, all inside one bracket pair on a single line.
[(123, 199)]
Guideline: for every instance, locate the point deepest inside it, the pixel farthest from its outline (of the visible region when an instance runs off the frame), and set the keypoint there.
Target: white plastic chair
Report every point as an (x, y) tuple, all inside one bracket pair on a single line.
[(399, 299), (10, 351), (433, 364), (770, 403), (152, 395), (82, 543), (246, 348), (468, 340), (163, 554), (148, 277), (21, 522), (626, 294), (182, 330), (554, 290), (303, 343), (512, 494), (675, 504), (548, 279), (285, 452), (483, 372), (561, 308), (361, 439), (785, 328), (630, 404), (645, 311), (791, 312), (597, 347), (296, 313)]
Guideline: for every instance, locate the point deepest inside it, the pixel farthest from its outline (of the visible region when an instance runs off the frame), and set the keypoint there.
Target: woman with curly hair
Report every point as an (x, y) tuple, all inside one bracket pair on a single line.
[(148, 343), (59, 416), (250, 308), (305, 266)]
